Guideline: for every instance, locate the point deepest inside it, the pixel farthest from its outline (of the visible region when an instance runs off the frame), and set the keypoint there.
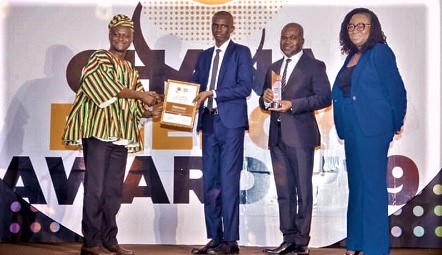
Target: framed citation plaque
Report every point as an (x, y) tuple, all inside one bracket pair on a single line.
[(178, 108)]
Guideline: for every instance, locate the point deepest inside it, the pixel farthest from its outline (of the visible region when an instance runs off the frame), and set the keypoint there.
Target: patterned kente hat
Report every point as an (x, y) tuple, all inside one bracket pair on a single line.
[(121, 20)]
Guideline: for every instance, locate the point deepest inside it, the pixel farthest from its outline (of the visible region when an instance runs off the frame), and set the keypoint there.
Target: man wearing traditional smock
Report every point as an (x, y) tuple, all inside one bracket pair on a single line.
[(105, 120)]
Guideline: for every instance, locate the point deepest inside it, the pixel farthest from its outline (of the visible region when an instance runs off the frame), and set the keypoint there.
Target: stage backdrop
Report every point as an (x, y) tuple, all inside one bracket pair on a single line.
[(44, 45)]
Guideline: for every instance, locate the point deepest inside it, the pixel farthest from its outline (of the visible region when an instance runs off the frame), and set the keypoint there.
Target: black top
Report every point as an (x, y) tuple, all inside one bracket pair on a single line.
[(344, 80)]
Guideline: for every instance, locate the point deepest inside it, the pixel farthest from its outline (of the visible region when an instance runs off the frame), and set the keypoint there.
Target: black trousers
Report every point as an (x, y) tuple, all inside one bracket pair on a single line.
[(103, 190), (293, 171)]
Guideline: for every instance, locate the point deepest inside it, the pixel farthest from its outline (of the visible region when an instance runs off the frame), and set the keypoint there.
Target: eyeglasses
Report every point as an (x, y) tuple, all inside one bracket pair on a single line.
[(360, 27)]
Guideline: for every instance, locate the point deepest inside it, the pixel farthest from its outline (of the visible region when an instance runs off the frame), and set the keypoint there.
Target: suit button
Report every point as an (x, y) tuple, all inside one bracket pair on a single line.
[(354, 98)]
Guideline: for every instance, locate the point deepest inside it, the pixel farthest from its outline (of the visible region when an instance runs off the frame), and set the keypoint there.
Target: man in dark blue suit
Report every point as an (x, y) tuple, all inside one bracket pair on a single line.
[(223, 120), (294, 134)]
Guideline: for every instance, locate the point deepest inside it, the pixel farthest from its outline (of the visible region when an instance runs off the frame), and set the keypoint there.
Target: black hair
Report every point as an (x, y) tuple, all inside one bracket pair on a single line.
[(376, 34), (224, 13), (300, 28)]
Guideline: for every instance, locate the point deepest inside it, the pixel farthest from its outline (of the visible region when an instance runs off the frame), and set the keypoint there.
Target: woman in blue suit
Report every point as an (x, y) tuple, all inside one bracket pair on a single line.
[(369, 105)]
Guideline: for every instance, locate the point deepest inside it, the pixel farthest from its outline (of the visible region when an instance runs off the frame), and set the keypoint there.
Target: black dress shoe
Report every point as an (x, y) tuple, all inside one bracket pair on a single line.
[(119, 250), (225, 248), (97, 250), (302, 250), (205, 248), (283, 248)]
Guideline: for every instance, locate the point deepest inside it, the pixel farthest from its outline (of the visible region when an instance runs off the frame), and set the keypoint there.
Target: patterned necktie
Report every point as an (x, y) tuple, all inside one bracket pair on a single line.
[(284, 75), (213, 78)]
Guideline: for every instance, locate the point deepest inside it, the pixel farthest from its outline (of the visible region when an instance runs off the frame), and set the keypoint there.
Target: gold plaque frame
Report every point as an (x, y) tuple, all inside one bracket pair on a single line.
[(179, 110)]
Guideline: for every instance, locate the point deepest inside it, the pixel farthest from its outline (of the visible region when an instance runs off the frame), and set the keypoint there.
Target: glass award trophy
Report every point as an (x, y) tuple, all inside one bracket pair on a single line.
[(277, 92)]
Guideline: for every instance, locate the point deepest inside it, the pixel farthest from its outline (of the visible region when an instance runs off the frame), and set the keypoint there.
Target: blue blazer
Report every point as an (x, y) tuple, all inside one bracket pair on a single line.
[(378, 93), (234, 84)]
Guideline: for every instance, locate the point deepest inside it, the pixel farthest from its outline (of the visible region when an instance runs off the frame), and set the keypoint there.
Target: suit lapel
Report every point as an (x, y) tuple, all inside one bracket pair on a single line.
[(207, 64), (277, 67), (226, 60), (296, 70), (358, 68)]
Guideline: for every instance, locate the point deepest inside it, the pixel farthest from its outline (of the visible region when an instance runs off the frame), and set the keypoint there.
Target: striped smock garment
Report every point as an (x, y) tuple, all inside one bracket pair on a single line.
[(97, 112)]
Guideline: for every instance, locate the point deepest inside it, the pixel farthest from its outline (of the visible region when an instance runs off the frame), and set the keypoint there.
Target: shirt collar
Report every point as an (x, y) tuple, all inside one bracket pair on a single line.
[(295, 58), (223, 47)]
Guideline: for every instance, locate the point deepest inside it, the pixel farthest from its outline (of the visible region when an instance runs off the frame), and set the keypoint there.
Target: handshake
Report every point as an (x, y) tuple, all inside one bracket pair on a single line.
[(152, 104), (151, 98)]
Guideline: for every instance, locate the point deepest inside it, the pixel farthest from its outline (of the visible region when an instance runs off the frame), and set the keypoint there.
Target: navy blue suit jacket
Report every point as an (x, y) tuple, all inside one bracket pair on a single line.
[(308, 88), (378, 93), (234, 84)]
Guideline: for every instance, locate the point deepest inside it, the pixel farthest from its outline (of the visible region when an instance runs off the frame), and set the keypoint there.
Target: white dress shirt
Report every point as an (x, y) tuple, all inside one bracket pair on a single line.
[(223, 49), (295, 58)]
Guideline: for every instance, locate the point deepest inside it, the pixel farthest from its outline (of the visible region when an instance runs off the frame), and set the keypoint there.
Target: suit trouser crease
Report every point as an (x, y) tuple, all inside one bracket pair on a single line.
[(367, 213), (105, 166), (223, 150), (293, 170)]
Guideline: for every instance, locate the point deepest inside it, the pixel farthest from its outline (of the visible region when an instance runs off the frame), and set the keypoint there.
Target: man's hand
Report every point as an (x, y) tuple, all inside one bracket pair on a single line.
[(268, 96), (285, 106), (153, 112), (201, 97), (156, 111), (149, 97), (159, 98)]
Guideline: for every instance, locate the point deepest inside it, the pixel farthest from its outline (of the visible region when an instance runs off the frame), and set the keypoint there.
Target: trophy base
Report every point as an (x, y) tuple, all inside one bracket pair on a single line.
[(275, 105)]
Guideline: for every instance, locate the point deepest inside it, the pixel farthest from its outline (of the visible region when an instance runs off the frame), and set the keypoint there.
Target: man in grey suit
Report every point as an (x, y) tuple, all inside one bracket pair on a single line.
[(294, 134)]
